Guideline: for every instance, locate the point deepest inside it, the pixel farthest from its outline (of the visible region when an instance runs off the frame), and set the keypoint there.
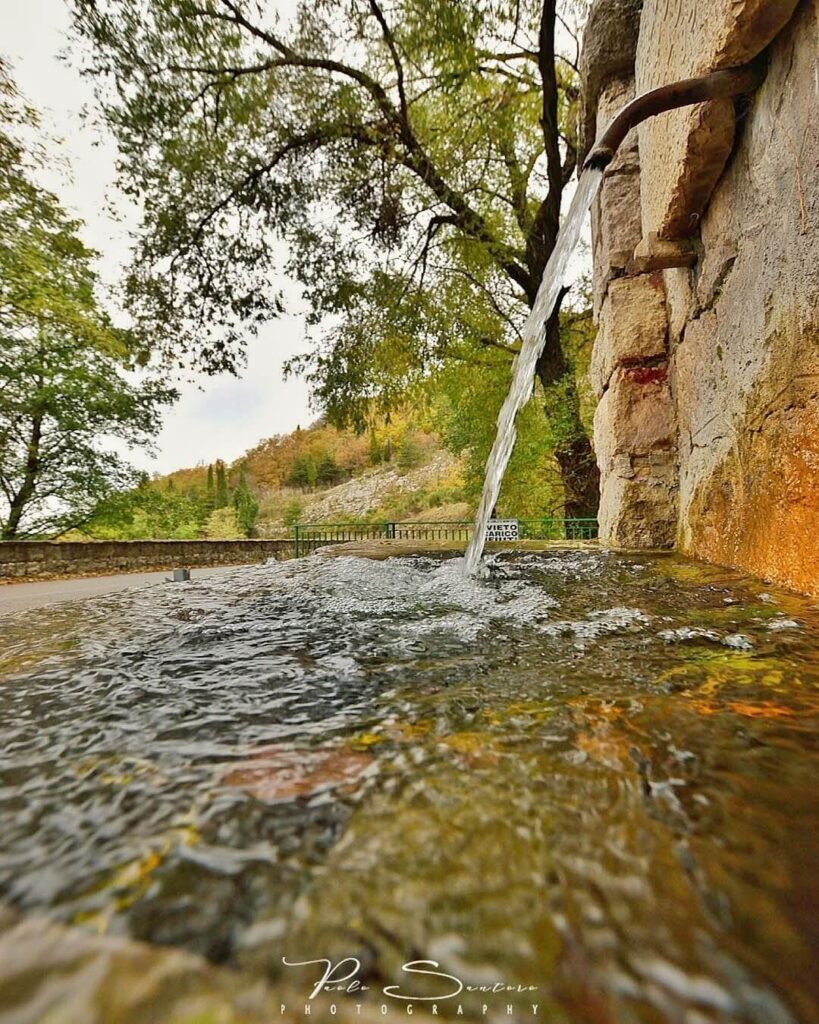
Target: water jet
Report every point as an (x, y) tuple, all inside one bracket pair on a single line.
[(723, 84)]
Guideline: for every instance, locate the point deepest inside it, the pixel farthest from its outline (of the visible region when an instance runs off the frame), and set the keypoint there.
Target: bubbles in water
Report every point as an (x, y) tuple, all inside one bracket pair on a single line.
[(562, 749)]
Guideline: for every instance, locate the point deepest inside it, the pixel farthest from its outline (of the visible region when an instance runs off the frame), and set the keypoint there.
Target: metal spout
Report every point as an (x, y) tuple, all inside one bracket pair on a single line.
[(739, 81)]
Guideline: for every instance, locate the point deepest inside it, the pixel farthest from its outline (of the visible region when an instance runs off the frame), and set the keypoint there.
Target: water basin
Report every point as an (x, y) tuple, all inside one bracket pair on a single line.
[(587, 778)]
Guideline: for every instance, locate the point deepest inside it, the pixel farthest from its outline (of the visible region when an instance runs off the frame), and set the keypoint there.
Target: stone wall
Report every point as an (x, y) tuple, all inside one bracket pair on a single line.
[(634, 425), (707, 358), (33, 559)]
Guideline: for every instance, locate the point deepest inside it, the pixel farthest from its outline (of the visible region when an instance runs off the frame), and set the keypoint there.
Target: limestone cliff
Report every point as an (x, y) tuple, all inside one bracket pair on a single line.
[(706, 250)]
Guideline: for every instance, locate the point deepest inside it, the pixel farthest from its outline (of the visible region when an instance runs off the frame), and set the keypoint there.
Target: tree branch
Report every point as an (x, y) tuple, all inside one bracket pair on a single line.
[(290, 58), (492, 343), (321, 135), (399, 67), (517, 184), (415, 159)]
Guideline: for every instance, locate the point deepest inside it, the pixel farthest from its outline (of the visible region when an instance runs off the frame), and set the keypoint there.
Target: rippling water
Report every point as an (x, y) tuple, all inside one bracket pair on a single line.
[(588, 773)]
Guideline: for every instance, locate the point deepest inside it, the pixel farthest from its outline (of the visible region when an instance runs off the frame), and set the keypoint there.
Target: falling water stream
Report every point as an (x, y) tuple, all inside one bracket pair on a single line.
[(525, 364)]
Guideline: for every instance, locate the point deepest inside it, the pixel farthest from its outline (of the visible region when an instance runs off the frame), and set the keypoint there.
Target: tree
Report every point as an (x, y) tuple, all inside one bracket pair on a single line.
[(304, 473), (148, 513), (293, 512), (413, 157), (376, 453), (410, 454), (328, 471), (222, 498), (222, 524), (245, 504), (64, 393), (466, 402), (210, 489), (60, 405)]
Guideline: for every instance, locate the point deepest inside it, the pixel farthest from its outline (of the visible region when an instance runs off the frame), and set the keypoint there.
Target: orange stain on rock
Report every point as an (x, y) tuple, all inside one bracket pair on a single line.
[(760, 510)]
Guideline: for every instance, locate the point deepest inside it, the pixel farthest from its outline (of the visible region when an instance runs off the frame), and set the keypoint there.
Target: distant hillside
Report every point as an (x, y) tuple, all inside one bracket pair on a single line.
[(396, 471), (431, 491)]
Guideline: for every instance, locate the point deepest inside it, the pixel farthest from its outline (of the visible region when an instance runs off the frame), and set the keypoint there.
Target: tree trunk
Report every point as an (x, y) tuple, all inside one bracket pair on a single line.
[(578, 468), (24, 495), (580, 477)]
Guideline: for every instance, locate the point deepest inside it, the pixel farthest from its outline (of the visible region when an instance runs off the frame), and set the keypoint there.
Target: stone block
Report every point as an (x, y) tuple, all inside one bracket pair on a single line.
[(620, 221), (633, 327), (683, 161), (638, 513), (615, 217), (655, 253), (609, 44), (635, 416), (683, 153), (616, 229), (679, 302), (613, 98)]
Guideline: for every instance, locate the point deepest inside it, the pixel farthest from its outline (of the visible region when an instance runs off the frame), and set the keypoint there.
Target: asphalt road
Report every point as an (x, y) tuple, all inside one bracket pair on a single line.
[(17, 597)]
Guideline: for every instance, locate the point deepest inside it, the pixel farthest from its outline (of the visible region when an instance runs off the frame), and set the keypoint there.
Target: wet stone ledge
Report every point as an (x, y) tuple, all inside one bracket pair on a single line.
[(44, 559)]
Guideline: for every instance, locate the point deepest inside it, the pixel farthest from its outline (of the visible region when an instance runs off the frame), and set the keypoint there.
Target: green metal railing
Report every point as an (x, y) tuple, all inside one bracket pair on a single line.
[(309, 536), (550, 528)]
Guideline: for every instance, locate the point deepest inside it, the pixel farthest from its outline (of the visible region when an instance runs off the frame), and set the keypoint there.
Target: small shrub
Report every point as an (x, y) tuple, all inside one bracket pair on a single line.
[(222, 524), (293, 512)]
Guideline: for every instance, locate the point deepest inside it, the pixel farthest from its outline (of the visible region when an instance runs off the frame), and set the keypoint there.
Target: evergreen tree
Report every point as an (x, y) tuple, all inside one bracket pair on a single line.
[(328, 471), (245, 505), (409, 452), (376, 455), (222, 496)]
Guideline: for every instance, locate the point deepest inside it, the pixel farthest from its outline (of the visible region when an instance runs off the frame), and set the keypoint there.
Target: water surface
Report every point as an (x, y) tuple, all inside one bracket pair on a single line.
[(589, 773)]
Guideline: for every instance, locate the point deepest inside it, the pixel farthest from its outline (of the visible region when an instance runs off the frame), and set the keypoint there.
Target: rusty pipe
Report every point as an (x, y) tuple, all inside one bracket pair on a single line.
[(739, 81)]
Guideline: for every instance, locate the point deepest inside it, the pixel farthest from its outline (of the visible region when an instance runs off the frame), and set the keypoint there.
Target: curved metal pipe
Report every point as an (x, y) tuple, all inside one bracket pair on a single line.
[(724, 84)]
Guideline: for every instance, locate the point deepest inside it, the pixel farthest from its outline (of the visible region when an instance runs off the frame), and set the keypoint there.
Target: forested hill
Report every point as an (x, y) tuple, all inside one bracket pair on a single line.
[(397, 470)]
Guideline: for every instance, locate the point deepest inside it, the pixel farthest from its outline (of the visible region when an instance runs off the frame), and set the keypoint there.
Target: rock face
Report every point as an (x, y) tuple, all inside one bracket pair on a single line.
[(634, 423), (616, 220), (685, 151), (609, 45), (746, 359), (362, 495), (707, 432), (636, 431)]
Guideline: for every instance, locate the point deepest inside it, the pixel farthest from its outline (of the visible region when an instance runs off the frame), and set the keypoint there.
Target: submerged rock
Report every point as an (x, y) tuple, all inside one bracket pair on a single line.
[(284, 773)]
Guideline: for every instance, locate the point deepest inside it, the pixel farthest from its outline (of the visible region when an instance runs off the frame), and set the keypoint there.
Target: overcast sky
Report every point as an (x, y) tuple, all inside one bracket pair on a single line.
[(215, 418)]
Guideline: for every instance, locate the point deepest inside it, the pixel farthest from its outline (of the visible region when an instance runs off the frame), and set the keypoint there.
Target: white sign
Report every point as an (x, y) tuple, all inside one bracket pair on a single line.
[(503, 529)]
